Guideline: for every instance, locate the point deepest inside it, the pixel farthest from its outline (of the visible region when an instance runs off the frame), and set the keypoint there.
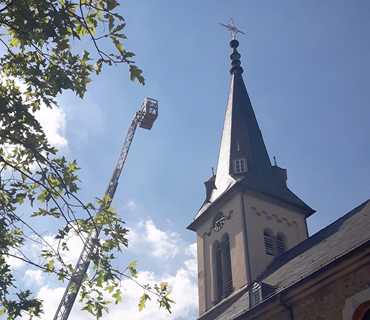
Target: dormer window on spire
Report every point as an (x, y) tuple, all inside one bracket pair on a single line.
[(240, 166)]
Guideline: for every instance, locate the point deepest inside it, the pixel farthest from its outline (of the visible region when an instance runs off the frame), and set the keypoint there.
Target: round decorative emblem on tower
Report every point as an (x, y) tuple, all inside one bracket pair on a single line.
[(219, 222)]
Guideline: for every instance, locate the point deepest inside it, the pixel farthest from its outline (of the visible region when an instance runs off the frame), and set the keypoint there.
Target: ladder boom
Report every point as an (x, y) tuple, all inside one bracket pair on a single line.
[(83, 262)]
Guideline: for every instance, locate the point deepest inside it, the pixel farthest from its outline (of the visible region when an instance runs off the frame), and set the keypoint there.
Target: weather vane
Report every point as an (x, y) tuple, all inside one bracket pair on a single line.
[(232, 28)]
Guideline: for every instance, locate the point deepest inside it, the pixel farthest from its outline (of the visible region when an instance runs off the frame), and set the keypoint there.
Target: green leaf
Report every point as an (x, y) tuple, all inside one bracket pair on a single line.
[(118, 28), (20, 198), (118, 45), (98, 66), (136, 74), (64, 44), (143, 299), (111, 4), (163, 286), (15, 42), (110, 23), (132, 268), (117, 296), (50, 266)]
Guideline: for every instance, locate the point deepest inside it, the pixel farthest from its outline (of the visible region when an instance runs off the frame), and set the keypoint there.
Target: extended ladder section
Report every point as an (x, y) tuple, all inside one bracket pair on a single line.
[(144, 118)]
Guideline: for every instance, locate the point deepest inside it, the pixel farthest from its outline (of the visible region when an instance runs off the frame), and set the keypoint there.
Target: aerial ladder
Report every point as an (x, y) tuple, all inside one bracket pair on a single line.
[(143, 118)]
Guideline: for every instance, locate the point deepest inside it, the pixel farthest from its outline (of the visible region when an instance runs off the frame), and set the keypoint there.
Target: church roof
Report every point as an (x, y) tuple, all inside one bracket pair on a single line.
[(308, 258), (268, 186), (274, 187)]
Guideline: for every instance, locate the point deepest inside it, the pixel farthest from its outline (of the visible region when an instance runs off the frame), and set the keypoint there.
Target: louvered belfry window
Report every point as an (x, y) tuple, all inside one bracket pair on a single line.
[(268, 238), (223, 283), (280, 243)]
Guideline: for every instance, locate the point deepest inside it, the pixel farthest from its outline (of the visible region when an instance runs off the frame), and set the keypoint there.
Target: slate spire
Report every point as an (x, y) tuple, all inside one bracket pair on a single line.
[(243, 152)]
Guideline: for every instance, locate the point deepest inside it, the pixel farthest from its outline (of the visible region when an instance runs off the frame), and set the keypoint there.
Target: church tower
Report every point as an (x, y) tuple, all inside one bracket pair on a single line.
[(249, 216)]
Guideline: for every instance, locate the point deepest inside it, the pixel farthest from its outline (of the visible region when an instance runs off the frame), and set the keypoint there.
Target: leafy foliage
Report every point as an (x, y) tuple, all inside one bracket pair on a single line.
[(49, 46)]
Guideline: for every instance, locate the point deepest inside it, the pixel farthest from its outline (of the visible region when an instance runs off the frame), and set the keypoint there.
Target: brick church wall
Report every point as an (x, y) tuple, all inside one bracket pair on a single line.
[(326, 302)]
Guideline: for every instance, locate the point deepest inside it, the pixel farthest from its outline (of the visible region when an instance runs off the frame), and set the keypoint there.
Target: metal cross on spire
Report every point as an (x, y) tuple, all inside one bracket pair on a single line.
[(232, 28)]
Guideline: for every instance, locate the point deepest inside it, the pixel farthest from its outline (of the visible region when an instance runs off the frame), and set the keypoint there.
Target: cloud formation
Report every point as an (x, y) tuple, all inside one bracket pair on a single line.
[(160, 244), (53, 121), (32, 276), (182, 282), (131, 205)]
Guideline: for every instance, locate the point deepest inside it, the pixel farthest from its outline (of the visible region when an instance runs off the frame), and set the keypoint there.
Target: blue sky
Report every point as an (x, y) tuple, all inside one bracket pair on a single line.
[(307, 71)]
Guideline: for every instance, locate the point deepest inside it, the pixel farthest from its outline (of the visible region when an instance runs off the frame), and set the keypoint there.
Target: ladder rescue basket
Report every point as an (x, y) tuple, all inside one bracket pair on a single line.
[(149, 113)]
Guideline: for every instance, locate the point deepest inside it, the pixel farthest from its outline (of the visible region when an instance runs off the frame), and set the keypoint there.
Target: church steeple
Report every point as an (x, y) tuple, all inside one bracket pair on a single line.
[(243, 151), (249, 216)]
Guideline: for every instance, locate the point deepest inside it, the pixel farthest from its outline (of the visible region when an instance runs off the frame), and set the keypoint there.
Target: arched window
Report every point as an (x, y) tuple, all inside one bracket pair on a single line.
[(280, 243), (362, 312), (268, 239), (226, 266), (217, 271), (223, 282)]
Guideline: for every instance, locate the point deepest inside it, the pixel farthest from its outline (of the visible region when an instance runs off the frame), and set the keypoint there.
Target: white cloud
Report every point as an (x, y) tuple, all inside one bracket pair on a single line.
[(191, 250), (13, 262), (183, 291), (34, 277), (51, 298), (53, 121), (191, 264), (32, 251), (182, 281), (131, 205), (161, 244), (164, 244), (74, 244)]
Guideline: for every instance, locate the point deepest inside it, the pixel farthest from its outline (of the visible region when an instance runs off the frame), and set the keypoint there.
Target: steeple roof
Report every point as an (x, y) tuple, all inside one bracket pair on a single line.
[(241, 136), (243, 162)]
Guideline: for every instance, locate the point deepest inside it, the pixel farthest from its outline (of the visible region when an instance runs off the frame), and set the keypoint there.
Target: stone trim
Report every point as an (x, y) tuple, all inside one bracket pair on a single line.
[(352, 303), (268, 216)]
